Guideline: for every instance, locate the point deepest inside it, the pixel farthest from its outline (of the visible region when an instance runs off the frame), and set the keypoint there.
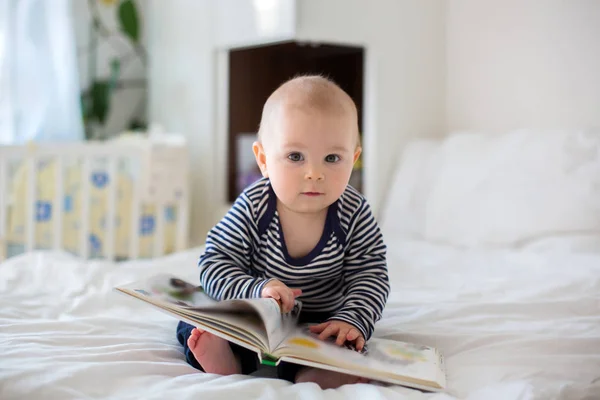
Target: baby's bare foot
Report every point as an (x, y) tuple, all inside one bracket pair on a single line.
[(213, 353), (327, 379)]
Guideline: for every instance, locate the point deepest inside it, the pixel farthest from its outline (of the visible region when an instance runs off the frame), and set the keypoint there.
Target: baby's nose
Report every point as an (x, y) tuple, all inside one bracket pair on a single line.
[(314, 174)]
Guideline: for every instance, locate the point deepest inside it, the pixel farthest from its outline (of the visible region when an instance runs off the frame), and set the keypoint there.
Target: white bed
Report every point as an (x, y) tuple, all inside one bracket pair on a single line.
[(517, 315)]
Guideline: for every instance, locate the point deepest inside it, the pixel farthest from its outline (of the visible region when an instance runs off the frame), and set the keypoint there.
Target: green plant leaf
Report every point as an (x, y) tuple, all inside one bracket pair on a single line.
[(128, 18), (85, 105), (100, 101), (115, 70), (137, 125)]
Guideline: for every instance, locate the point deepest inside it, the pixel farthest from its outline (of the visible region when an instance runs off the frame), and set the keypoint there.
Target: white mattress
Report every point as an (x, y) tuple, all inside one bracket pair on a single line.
[(513, 325)]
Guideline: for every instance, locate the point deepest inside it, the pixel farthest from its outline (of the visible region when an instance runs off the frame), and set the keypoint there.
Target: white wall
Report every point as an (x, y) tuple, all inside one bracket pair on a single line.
[(432, 66), (516, 63), (181, 92), (405, 67), (404, 88), (125, 102)]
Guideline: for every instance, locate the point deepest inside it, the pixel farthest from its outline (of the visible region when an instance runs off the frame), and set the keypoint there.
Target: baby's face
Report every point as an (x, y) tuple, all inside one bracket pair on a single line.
[(309, 158)]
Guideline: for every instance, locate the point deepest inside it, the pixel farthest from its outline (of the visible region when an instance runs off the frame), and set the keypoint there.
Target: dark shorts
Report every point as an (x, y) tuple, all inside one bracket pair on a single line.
[(249, 358)]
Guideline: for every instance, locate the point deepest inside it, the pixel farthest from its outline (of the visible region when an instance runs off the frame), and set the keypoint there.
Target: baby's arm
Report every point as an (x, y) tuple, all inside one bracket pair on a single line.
[(225, 266), (365, 274)]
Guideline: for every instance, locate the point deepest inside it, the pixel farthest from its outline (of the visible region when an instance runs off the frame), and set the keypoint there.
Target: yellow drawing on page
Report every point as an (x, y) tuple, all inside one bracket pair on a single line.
[(303, 342), (410, 353)]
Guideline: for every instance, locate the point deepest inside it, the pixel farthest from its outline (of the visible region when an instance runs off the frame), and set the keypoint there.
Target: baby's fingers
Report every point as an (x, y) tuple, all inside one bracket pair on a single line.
[(360, 343), (352, 334), (287, 300), (319, 328), (341, 339), (331, 330), (271, 292)]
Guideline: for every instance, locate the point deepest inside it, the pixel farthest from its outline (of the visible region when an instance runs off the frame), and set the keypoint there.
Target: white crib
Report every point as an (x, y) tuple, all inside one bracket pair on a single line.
[(132, 203)]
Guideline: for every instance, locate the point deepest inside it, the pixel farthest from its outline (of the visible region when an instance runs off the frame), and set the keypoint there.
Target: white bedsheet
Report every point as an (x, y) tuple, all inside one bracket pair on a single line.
[(513, 325)]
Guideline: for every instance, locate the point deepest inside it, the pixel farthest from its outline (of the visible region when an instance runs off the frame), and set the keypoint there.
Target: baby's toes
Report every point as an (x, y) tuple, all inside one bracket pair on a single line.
[(193, 339), (197, 332), (192, 342)]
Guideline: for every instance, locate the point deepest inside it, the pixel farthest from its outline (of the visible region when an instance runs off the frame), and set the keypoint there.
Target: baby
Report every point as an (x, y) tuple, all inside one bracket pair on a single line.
[(301, 230)]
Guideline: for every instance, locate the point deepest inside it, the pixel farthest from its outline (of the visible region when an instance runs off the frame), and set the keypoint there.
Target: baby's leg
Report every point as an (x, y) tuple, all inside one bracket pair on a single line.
[(213, 353), (327, 379), (208, 352)]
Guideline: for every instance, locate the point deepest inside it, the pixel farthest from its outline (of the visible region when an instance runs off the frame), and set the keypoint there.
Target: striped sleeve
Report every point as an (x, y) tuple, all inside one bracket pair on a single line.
[(366, 278), (225, 266)]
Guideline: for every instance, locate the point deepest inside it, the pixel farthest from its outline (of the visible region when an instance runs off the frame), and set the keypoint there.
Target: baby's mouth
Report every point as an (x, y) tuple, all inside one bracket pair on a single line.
[(312, 194)]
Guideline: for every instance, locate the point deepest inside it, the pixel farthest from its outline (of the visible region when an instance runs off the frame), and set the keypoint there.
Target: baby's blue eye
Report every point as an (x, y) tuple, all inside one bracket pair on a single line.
[(295, 157), (331, 158)]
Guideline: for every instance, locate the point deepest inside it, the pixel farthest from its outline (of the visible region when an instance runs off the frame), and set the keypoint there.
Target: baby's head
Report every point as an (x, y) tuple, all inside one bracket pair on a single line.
[(308, 142)]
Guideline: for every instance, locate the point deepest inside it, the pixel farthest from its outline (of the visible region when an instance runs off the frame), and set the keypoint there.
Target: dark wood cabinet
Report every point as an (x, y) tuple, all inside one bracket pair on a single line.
[(254, 73)]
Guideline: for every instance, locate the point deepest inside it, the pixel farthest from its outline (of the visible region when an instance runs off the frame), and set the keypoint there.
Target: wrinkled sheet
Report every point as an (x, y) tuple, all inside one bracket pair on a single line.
[(513, 324)]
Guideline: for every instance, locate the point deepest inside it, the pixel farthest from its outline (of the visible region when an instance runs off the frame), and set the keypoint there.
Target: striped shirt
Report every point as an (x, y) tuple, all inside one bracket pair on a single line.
[(345, 274)]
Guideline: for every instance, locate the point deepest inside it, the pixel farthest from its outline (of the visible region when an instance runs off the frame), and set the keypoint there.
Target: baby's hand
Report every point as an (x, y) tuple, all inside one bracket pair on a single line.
[(279, 291), (343, 330)]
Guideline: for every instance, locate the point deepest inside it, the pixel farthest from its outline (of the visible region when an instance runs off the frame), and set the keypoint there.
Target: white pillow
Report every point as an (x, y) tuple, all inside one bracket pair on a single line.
[(404, 207), (480, 189)]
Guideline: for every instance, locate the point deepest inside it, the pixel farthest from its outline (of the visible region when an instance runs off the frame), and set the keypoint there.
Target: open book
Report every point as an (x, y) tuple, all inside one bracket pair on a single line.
[(259, 325)]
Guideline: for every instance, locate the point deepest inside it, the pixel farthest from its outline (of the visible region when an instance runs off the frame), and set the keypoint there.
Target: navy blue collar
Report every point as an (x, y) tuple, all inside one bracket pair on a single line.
[(332, 224)]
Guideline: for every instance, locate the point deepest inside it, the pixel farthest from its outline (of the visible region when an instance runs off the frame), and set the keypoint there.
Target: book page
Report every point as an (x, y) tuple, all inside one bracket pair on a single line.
[(244, 339), (170, 289), (278, 325), (386, 360), (274, 325), (223, 329), (261, 317), (264, 313), (182, 298)]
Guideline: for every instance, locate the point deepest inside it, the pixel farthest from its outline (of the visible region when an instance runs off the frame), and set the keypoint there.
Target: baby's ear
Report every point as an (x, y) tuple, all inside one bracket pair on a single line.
[(357, 154), (261, 158)]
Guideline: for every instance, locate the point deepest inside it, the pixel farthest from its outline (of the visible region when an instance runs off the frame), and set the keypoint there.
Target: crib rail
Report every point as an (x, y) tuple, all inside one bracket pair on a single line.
[(3, 202), (143, 190)]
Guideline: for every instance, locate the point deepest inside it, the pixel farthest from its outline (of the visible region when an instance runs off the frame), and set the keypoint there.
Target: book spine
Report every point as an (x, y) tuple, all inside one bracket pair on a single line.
[(268, 359)]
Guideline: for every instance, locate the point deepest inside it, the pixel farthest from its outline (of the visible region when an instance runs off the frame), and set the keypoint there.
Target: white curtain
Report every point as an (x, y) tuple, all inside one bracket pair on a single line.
[(39, 83)]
